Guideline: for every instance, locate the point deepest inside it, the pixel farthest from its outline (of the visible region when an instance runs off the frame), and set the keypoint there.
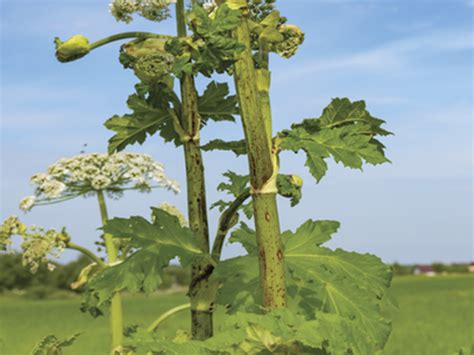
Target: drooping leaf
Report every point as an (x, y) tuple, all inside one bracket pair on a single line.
[(345, 131), (344, 284), (237, 147), (155, 244), (290, 186), (51, 345), (216, 103)]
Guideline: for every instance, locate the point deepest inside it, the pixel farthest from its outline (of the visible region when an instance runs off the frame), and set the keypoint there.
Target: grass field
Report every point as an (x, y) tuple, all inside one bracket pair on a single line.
[(436, 317)]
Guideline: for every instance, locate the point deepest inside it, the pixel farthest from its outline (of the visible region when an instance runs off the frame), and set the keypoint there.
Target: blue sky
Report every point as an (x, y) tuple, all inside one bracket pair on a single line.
[(412, 61)]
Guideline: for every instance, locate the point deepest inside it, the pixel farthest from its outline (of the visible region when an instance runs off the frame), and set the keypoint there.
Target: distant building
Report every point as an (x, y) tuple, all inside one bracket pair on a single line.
[(426, 270), (471, 267)]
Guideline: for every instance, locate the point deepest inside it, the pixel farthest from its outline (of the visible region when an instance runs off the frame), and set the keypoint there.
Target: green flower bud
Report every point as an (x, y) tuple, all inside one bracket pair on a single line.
[(74, 48), (154, 67), (132, 51), (294, 37)]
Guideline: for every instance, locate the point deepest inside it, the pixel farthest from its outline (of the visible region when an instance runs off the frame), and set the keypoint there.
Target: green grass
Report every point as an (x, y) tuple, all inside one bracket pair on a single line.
[(436, 316)]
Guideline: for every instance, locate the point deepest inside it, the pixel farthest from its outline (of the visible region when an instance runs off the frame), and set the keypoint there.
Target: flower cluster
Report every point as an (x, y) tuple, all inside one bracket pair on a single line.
[(153, 10), (38, 243), (294, 37), (11, 226), (88, 173)]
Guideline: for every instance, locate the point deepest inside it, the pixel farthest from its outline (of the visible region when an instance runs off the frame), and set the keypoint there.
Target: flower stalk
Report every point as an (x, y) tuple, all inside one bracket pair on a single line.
[(86, 252), (116, 313), (154, 326)]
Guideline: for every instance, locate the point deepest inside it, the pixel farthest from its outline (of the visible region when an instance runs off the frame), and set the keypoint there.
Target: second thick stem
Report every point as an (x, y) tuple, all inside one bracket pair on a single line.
[(116, 313), (257, 128)]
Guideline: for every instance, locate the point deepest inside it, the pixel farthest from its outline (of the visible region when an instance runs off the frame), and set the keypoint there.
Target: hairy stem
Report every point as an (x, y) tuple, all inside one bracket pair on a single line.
[(125, 35), (257, 126), (200, 292), (167, 315), (116, 313), (86, 252), (226, 222)]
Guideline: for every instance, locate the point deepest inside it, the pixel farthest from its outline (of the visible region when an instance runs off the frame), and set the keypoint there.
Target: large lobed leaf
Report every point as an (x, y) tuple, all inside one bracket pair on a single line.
[(342, 290), (151, 112), (155, 245), (345, 131), (216, 103), (152, 108)]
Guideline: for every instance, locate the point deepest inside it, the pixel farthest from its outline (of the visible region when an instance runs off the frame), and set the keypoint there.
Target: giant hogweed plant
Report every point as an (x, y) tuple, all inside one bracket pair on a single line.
[(87, 175), (290, 293)]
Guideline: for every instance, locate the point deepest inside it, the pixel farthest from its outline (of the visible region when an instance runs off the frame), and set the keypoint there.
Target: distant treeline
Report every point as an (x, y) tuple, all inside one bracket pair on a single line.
[(15, 278), (439, 268)]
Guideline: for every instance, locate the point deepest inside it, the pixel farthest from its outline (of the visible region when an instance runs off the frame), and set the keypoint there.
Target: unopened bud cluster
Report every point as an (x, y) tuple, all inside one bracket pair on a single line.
[(153, 10), (259, 9), (88, 173), (294, 37)]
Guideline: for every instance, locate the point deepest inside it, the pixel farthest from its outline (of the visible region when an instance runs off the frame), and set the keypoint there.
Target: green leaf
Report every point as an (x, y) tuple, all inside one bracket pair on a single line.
[(143, 342), (216, 103), (150, 108), (245, 236), (51, 345), (335, 282), (237, 184), (155, 245), (345, 131), (213, 48), (151, 112), (237, 147)]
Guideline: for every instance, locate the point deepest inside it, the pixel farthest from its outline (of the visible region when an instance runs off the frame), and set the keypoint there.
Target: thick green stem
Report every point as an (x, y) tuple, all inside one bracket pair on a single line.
[(86, 252), (125, 35), (201, 293), (263, 171), (116, 313), (167, 315)]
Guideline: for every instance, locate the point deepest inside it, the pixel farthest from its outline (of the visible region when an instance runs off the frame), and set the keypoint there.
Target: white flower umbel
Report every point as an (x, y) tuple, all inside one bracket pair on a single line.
[(87, 174)]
